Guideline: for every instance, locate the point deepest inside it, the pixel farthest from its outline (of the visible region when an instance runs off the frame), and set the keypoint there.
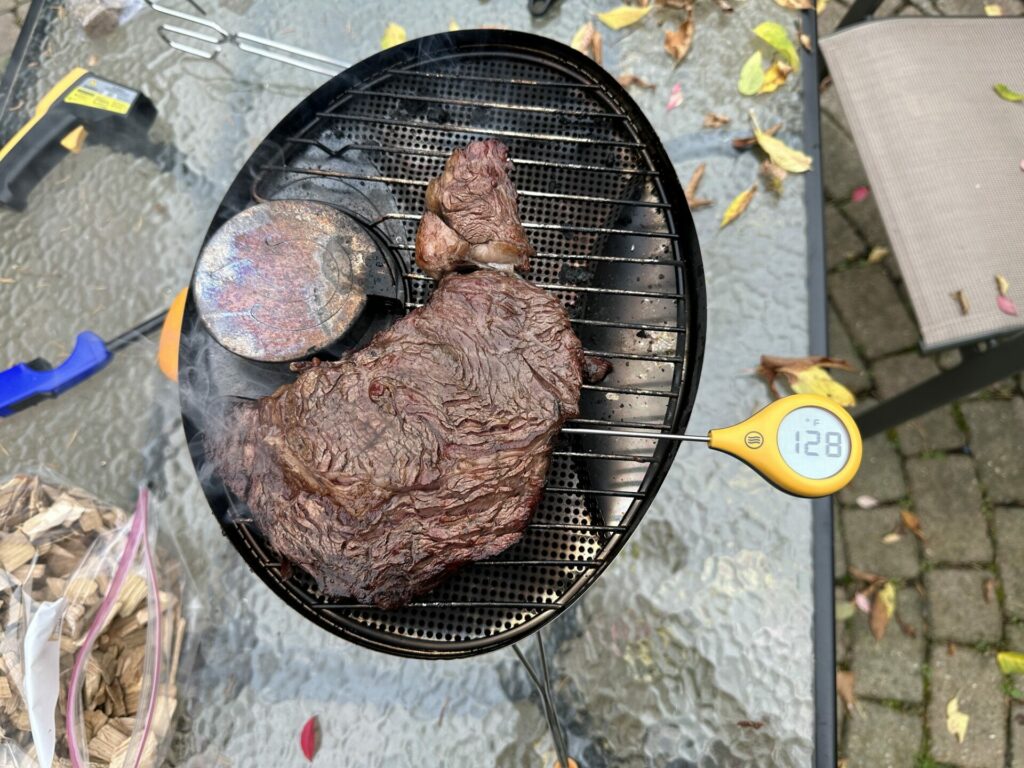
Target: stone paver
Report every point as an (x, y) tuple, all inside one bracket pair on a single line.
[(890, 668), (996, 429), (974, 678), (868, 220), (843, 244), (841, 345), (977, 7), (1017, 736), (935, 430), (957, 609), (866, 300), (839, 156), (838, 542), (880, 474), (1009, 533), (866, 551), (8, 36), (947, 499), (882, 737)]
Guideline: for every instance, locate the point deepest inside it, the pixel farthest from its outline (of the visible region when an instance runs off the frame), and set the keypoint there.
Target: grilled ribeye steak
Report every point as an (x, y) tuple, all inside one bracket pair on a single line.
[(382, 472), (472, 216)]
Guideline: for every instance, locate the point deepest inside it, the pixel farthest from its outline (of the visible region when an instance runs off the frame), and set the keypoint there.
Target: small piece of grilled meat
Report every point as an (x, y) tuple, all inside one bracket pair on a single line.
[(472, 217)]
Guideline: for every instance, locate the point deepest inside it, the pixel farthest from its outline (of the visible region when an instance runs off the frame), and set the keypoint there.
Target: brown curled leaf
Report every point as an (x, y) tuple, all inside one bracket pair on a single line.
[(628, 79)]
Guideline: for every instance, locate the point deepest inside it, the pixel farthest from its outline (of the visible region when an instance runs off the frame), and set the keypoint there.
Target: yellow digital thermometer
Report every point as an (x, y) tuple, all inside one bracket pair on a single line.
[(805, 445)]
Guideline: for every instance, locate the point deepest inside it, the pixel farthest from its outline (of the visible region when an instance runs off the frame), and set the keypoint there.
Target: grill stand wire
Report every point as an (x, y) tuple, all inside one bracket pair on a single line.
[(543, 686)]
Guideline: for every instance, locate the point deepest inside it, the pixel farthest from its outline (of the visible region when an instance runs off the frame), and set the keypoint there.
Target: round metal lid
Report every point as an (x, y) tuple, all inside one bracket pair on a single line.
[(283, 279)]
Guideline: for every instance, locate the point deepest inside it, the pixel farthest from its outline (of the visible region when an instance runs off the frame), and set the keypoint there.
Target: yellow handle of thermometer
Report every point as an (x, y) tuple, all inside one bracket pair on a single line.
[(806, 445)]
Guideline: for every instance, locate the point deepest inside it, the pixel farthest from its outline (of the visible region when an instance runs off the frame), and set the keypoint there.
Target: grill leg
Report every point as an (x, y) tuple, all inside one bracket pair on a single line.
[(979, 369), (543, 685)]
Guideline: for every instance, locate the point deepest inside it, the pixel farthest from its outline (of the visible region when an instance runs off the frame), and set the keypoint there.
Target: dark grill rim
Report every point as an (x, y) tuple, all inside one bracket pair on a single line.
[(686, 367)]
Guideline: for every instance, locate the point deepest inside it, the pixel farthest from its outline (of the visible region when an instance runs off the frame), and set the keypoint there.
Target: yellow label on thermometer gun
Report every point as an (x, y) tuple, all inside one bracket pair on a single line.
[(806, 445)]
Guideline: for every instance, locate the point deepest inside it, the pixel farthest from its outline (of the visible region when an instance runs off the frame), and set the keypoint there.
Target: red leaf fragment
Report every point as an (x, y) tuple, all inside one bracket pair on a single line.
[(1006, 305), (309, 739), (860, 194)]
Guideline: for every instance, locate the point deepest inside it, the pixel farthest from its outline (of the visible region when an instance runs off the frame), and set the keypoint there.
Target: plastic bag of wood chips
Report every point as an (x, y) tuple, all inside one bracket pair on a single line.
[(95, 609)]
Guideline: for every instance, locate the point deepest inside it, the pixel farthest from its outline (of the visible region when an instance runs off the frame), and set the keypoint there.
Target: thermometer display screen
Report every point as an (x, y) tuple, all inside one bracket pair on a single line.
[(813, 442)]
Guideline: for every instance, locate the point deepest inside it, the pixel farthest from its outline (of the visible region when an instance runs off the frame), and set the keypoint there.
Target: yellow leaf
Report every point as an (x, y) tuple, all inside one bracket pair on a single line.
[(819, 8), (877, 254), (1011, 663), (581, 40), (788, 159), (738, 205), (816, 381), (453, 26), (888, 597), (775, 76), (795, 5), (623, 16), (751, 76), (1003, 285), (956, 721), (394, 34), (993, 9), (778, 38)]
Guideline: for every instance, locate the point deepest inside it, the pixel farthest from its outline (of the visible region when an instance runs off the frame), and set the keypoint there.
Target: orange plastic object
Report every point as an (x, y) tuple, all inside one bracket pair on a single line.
[(170, 335)]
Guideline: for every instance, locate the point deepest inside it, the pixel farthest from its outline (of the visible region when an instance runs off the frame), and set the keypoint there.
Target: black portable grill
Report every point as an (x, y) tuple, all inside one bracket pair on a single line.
[(602, 205)]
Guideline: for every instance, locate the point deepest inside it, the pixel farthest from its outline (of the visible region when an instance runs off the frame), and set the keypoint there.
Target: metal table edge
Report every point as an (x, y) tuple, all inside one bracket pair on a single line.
[(823, 575)]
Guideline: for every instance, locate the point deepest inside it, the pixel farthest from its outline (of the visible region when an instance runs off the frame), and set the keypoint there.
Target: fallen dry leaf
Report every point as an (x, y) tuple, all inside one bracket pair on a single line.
[(778, 38), (623, 16), (877, 254), (845, 610), (993, 9), (882, 610), (747, 142), (629, 79), (675, 98), (912, 523), (598, 48), (1002, 285), (1006, 93), (956, 721), (805, 41), (1006, 305), (715, 120), (870, 578), (785, 157), (990, 590), (844, 687), (310, 737), (755, 724), (723, 6), (796, 5), (860, 194), (905, 628), (820, 6), (691, 190), (862, 602), (807, 375), (892, 538), (587, 41), (685, 5), (394, 34), (1010, 663), (678, 41), (773, 176), (775, 76), (738, 206), (751, 75), (866, 502), (950, 649), (961, 299)]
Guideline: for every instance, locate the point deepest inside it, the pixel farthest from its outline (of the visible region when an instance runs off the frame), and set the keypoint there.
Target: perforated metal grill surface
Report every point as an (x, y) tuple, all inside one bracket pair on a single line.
[(615, 243)]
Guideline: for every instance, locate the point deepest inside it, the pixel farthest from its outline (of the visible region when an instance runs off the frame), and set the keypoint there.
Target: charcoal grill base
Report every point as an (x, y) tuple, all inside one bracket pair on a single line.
[(615, 241)]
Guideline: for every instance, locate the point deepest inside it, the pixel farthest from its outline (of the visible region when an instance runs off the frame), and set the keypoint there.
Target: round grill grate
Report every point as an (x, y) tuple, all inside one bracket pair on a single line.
[(615, 242)]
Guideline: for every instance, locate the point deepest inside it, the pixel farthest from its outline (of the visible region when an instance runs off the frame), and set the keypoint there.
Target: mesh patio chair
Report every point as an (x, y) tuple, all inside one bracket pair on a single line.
[(943, 155)]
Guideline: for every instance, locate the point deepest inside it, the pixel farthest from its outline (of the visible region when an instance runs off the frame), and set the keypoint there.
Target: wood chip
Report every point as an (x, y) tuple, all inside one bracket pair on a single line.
[(15, 550), (107, 741)]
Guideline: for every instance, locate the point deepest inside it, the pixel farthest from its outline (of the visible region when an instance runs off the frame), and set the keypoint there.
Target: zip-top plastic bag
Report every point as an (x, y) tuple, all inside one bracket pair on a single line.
[(96, 609)]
